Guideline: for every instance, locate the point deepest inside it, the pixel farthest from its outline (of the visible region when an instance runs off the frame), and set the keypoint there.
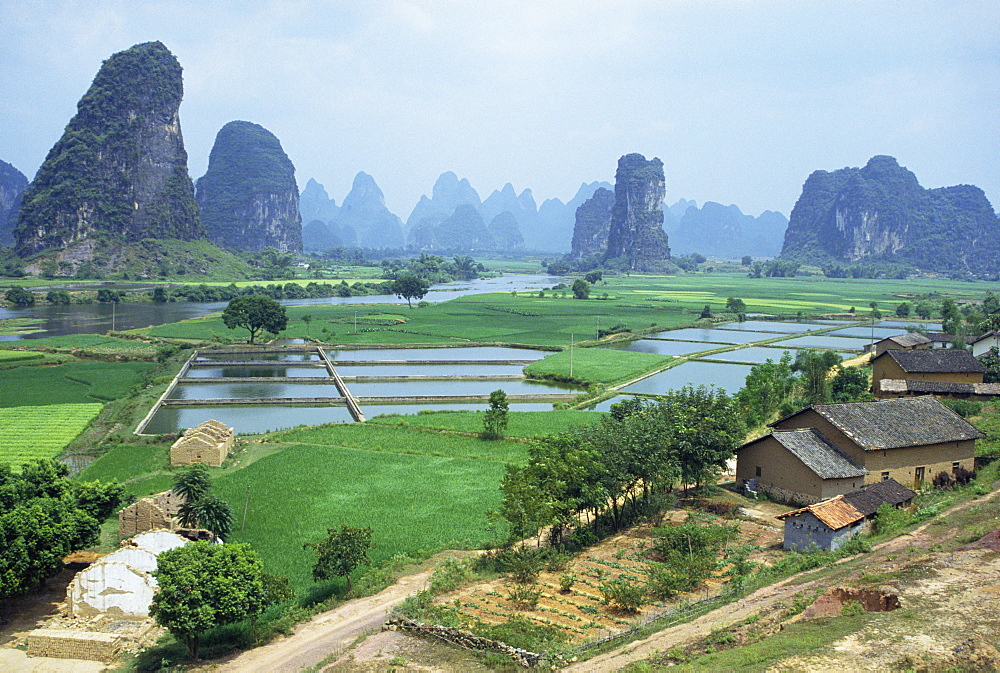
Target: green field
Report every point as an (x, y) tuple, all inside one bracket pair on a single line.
[(41, 431), (97, 344), (18, 356), (596, 365), (74, 382), (520, 424)]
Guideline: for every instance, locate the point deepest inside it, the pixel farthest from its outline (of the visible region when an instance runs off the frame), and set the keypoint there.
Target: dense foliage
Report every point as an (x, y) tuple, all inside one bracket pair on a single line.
[(256, 314), (44, 517), (342, 551)]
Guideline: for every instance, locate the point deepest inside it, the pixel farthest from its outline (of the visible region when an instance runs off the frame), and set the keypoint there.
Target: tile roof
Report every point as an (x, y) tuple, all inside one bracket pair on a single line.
[(818, 453), (909, 339), (975, 339), (903, 386), (835, 512), (868, 498), (936, 360), (896, 423)]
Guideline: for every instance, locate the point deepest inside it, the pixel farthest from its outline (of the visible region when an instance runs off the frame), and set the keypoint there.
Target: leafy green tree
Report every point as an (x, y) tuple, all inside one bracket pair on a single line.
[(495, 418), (192, 483), (850, 384), (109, 296), (924, 310), (256, 314), (206, 585), (410, 287), (581, 288), (706, 312), (340, 553), (766, 386), (58, 297), (814, 368), (951, 317), (736, 305), (593, 276), (991, 303), (992, 363), (44, 517), (307, 318), (160, 295), (20, 297), (903, 310), (746, 260), (209, 512)]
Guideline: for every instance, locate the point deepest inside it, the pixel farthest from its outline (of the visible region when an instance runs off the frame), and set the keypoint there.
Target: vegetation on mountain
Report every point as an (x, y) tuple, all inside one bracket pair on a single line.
[(12, 184), (248, 197), (636, 240), (880, 213), (120, 168)]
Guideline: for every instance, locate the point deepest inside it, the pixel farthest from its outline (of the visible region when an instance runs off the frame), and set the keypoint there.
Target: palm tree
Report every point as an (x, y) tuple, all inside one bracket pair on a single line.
[(193, 483), (209, 512)]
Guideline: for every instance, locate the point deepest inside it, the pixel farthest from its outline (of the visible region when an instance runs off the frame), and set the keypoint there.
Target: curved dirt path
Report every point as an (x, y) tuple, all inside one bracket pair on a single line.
[(757, 602), (331, 632)]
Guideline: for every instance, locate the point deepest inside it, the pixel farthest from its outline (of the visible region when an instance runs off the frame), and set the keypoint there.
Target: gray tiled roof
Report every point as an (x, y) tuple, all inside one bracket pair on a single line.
[(938, 360), (893, 424), (818, 453), (909, 339), (937, 387), (868, 498)]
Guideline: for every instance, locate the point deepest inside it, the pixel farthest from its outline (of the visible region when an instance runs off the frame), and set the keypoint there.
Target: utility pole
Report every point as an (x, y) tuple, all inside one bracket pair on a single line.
[(571, 356), (246, 504), (113, 304), (598, 328)]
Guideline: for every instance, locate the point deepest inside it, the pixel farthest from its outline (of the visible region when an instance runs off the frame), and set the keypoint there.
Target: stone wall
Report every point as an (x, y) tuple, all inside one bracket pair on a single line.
[(465, 639), (67, 644), (155, 512)]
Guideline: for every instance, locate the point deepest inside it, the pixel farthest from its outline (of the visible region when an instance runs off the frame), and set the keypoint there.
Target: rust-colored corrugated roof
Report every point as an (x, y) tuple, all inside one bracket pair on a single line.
[(835, 512)]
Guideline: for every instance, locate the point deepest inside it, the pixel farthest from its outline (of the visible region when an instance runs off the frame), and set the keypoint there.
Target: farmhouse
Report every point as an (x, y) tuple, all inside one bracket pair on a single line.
[(912, 340), (208, 443), (856, 443), (830, 523), (982, 344), (951, 365)]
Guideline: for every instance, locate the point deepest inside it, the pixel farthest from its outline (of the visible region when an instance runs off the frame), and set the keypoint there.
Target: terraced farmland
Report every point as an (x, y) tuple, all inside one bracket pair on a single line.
[(41, 431)]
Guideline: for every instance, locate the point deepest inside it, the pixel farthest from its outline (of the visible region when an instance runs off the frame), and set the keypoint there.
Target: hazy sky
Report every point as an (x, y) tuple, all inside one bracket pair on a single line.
[(741, 100)]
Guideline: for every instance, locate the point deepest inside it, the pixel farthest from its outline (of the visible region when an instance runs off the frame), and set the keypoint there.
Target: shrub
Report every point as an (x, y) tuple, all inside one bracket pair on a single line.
[(566, 582), (524, 596), (942, 481), (965, 408), (963, 476), (850, 608), (450, 574), (626, 596)]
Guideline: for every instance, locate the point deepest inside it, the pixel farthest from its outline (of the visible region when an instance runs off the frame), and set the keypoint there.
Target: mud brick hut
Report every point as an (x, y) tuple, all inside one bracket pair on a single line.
[(208, 443)]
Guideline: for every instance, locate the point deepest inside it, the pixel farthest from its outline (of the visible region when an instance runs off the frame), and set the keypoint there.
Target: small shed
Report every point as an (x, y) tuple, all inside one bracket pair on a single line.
[(826, 525), (208, 443), (982, 344), (868, 499), (951, 365), (909, 340)]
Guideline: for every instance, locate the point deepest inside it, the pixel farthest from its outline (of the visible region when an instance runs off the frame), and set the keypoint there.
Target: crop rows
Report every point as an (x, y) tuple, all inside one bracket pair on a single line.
[(41, 431)]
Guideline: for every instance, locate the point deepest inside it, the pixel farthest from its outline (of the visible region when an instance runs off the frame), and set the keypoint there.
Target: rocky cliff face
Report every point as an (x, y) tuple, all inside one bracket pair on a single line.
[(364, 211), (248, 196), (880, 212), (316, 204), (636, 240), (725, 231), (120, 167), (447, 194), (12, 185), (593, 222)]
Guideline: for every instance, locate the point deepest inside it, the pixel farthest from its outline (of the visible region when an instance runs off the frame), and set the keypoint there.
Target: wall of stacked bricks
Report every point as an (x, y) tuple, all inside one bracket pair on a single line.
[(66, 644)]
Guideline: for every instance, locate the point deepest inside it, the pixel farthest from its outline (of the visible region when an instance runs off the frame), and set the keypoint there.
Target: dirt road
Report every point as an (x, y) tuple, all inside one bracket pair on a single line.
[(328, 633)]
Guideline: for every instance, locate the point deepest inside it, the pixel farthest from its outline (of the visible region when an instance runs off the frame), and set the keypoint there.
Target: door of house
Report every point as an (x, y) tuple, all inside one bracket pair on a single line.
[(918, 475)]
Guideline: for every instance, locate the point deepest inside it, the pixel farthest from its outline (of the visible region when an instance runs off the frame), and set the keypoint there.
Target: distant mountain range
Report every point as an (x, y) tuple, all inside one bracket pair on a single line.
[(722, 231)]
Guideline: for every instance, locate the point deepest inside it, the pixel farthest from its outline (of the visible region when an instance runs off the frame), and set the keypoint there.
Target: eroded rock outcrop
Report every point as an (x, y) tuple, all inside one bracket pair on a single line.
[(593, 222), (880, 212), (248, 196), (636, 240), (364, 211), (12, 185), (120, 167)]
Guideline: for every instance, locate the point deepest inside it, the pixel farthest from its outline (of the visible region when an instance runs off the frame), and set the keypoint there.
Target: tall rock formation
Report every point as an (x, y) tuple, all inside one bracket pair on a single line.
[(725, 231), (316, 204), (505, 234), (248, 196), (12, 185), (447, 194), (364, 211), (120, 167), (880, 212), (553, 231), (593, 222), (636, 240)]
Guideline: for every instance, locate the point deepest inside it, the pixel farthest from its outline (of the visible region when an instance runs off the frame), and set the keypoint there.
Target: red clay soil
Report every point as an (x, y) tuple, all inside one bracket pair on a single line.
[(832, 602), (989, 541)]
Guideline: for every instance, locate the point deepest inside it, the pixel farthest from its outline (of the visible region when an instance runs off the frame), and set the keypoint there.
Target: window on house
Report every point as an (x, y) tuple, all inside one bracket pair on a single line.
[(955, 466), (757, 471), (885, 476)]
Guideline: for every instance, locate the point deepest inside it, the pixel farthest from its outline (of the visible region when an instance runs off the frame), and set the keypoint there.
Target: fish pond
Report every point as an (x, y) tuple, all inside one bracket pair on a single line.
[(728, 377)]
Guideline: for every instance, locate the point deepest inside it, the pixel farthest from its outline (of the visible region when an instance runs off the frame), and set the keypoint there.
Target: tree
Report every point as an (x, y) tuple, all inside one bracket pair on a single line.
[(160, 295), (706, 312), (850, 384), (767, 385), (58, 297), (410, 287), (581, 288), (18, 296), (736, 305), (992, 363), (209, 512), (593, 276), (192, 483), (340, 553), (108, 296), (205, 585), (903, 310), (814, 367), (495, 418), (44, 517), (951, 317), (255, 313), (307, 318), (746, 260), (924, 310)]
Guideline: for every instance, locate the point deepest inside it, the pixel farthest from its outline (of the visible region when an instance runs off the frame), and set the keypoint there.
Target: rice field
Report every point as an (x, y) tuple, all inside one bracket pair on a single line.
[(75, 382), (41, 431), (521, 424)]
